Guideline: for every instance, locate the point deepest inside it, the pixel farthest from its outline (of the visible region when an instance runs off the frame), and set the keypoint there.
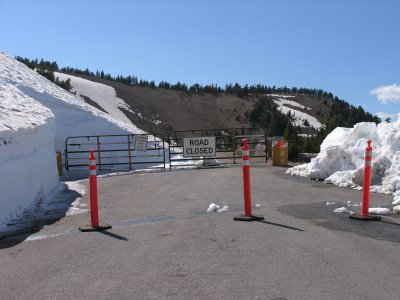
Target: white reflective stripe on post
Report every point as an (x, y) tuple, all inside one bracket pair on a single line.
[(246, 152), (92, 172), (368, 163), (368, 153), (92, 162), (246, 162)]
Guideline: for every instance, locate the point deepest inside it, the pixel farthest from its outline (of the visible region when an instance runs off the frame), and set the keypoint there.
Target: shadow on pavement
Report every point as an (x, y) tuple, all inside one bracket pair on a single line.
[(280, 225), (388, 221), (113, 235), (53, 211)]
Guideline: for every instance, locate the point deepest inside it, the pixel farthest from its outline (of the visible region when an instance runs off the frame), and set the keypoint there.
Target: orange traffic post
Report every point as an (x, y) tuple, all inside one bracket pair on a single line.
[(366, 188), (248, 215), (94, 207)]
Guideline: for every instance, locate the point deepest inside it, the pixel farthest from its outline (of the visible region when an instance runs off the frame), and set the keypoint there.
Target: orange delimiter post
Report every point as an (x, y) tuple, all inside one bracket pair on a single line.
[(94, 209), (246, 179), (367, 180)]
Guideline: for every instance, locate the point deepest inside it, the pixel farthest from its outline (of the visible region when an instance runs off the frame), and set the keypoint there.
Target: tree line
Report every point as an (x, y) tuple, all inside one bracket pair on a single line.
[(46, 69), (196, 88)]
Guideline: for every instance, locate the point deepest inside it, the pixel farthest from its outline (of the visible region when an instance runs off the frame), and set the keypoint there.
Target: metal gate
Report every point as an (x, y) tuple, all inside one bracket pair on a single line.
[(228, 146), (115, 152)]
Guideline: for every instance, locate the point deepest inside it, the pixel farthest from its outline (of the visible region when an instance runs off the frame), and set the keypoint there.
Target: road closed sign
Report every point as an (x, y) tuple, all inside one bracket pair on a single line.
[(199, 146)]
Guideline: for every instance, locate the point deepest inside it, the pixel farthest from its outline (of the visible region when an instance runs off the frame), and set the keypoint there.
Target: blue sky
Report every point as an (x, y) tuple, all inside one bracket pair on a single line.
[(348, 47)]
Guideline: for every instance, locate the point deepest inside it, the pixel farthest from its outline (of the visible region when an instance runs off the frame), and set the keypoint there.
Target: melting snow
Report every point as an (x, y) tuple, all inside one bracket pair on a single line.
[(213, 207), (379, 211), (223, 209), (341, 210), (217, 208)]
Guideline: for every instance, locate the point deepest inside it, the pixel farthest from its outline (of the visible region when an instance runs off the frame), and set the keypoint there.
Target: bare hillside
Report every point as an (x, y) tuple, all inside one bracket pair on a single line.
[(160, 110)]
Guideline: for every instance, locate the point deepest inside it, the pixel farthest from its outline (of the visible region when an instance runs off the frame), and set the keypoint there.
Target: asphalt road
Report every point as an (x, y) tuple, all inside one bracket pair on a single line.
[(163, 245)]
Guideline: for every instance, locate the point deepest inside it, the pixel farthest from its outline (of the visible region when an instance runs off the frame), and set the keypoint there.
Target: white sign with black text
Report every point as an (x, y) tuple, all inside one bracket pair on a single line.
[(199, 146), (141, 143)]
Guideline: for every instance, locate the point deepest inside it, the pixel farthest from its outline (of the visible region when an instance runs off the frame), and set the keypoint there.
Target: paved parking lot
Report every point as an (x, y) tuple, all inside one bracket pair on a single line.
[(163, 245)]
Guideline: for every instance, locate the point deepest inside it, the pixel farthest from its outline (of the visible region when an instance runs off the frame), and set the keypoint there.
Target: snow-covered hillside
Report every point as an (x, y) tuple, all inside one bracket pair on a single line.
[(285, 106), (341, 160), (105, 96), (36, 116)]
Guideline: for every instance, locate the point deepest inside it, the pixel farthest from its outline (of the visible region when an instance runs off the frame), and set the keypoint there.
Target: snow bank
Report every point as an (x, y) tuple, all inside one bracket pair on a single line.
[(36, 116), (28, 169), (341, 160)]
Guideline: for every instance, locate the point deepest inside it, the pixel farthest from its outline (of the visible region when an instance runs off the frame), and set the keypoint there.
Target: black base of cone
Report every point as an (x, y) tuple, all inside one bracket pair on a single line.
[(365, 218), (89, 228), (248, 218)]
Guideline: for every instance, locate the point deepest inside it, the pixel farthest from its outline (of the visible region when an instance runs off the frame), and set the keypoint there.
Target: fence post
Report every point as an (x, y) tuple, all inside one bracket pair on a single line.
[(366, 188), (94, 208), (266, 149), (59, 163), (234, 141), (98, 152), (163, 149), (247, 216), (66, 155), (129, 153)]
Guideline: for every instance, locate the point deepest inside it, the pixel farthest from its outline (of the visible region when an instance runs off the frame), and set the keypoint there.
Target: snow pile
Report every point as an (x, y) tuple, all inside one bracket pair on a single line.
[(341, 160), (298, 116), (36, 116)]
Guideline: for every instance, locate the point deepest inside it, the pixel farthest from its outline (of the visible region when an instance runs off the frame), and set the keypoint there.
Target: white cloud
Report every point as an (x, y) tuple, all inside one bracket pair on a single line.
[(388, 93), (383, 116)]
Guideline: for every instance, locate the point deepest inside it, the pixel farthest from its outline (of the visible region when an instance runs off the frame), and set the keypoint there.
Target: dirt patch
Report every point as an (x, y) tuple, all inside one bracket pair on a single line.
[(92, 103)]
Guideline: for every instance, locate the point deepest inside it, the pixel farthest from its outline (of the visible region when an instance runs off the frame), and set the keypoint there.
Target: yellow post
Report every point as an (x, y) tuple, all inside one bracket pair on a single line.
[(59, 163)]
